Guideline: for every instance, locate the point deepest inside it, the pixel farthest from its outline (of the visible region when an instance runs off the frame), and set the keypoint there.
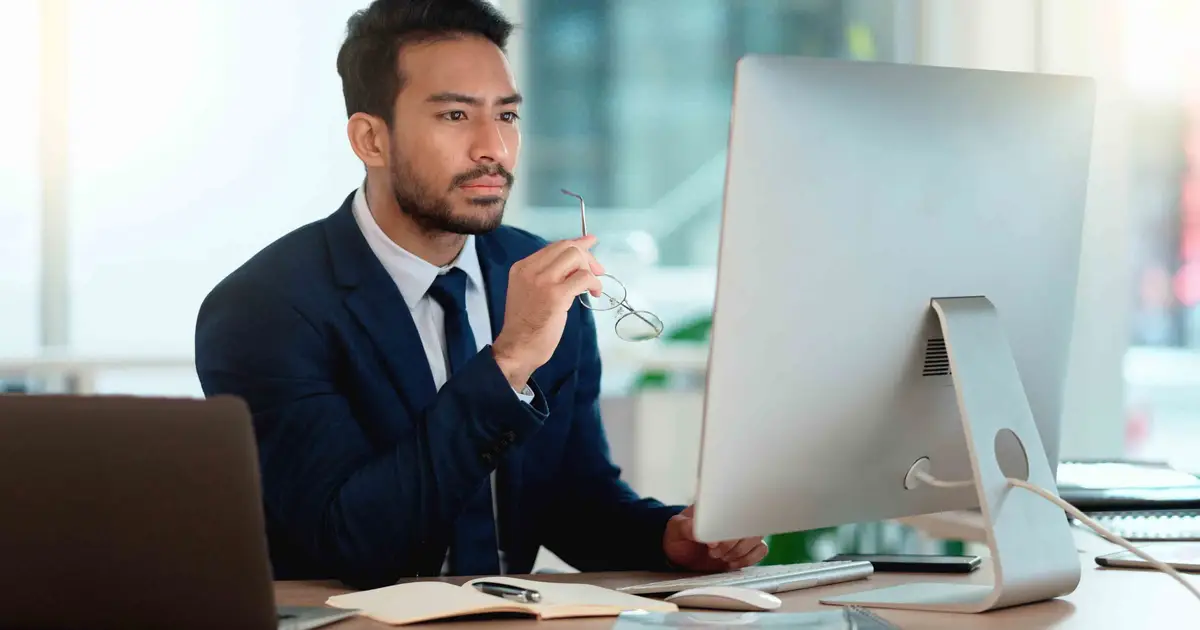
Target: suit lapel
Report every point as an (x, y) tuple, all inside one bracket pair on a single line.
[(495, 278), (375, 301), (377, 304), (495, 265), (385, 317)]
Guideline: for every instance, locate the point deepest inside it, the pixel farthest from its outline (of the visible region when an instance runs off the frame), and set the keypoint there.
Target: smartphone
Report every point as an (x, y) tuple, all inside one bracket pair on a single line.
[(1181, 556), (915, 563)]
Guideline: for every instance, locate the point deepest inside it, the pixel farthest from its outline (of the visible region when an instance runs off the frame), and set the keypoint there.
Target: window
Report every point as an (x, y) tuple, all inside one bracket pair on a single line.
[(628, 104), (1162, 367), (20, 177), (184, 164)]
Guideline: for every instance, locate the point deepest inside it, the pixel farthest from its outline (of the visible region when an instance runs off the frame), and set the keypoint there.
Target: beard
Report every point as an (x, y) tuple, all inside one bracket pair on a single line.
[(433, 212)]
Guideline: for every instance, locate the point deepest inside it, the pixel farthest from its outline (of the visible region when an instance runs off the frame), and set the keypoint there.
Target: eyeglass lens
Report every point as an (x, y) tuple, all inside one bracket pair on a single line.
[(639, 326)]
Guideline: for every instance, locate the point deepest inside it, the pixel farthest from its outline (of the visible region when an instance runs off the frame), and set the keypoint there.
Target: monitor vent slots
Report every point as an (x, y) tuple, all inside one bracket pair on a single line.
[(937, 359)]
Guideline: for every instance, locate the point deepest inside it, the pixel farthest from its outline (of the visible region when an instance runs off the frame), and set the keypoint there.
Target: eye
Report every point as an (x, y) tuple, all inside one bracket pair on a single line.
[(510, 117), (455, 115)]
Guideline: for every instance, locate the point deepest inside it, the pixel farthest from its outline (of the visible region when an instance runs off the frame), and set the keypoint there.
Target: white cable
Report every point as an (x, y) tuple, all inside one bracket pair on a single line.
[(928, 479)]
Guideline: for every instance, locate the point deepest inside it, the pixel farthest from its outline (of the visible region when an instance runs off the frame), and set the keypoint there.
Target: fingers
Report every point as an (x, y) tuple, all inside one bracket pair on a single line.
[(579, 283), (540, 259), (718, 551), (756, 553), (597, 268), (568, 261), (589, 261), (687, 526), (741, 548), (736, 554), (545, 257), (557, 266)]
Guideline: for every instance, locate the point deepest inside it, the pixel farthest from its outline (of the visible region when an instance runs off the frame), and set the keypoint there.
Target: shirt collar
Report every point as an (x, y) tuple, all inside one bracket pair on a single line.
[(412, 274)]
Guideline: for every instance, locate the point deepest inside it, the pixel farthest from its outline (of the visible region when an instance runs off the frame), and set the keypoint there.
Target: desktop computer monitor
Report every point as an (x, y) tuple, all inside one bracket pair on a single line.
[(869, 207)]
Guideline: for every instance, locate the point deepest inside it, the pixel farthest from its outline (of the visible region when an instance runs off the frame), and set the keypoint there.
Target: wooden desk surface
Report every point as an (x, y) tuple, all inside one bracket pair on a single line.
[(1105, 598)]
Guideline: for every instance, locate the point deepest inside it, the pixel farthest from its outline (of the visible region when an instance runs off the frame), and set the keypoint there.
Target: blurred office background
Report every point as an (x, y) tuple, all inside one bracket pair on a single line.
[(148, 148)]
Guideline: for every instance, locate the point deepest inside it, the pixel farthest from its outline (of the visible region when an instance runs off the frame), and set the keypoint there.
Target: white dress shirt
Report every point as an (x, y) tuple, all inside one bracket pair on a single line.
[(413, 276)]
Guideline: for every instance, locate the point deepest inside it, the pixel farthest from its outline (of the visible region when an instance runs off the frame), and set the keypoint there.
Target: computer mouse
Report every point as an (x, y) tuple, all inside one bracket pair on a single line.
[(725, 598)]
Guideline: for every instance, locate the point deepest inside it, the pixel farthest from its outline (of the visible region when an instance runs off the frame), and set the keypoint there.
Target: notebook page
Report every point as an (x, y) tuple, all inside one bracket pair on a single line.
[(577, 597), (422, 601)]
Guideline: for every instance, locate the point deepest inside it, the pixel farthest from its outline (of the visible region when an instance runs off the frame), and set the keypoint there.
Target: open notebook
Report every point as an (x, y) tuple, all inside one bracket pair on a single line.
[(414, 602)]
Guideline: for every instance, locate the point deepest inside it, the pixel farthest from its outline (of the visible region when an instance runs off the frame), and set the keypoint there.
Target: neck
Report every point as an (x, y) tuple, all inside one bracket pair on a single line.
[(434, 247)]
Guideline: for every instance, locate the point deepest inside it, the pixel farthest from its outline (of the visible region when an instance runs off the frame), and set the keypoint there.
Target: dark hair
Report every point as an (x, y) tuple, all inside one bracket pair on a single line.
[(367, 61)]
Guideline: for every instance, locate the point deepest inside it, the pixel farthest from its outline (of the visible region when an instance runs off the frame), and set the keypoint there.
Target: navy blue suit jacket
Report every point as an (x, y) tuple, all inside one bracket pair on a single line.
[(364, 464)]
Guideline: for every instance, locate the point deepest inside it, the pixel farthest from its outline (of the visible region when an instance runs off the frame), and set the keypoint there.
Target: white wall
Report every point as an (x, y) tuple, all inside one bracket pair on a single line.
[(20, 193), (1073, 37), (1083, 37), (201, 130)]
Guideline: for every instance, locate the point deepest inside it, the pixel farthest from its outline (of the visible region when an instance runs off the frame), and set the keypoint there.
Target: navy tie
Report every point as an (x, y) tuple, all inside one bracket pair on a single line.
[(473, 548)]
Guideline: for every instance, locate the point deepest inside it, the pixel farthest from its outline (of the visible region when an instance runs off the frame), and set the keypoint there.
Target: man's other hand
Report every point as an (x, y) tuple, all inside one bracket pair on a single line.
[(684, 551)]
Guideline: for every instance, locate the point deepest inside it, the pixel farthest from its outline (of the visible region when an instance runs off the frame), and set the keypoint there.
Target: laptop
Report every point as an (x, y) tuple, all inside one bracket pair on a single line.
[(124, 512)]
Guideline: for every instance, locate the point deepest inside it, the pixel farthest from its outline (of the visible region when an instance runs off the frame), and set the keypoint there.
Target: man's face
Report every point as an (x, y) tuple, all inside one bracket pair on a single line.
[(454, 136)]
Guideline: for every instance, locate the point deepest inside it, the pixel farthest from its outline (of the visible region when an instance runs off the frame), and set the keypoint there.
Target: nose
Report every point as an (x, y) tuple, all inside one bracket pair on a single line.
[(488, 144)]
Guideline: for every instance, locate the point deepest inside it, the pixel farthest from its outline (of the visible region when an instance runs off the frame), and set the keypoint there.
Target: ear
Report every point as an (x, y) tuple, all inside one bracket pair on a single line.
[(369, 139)]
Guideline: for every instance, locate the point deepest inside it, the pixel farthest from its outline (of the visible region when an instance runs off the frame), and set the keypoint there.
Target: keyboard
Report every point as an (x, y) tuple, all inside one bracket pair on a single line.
[(1145, 525), (776, 578)]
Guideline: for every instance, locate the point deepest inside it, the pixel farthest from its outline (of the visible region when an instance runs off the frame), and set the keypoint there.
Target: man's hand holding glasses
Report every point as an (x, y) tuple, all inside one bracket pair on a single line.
[(541, 290)]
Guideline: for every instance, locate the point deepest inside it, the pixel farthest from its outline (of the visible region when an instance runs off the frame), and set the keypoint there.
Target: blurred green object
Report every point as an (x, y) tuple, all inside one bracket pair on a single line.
[(696, 331), (954, 548), (809, 545), (860, 41), (796, 546)]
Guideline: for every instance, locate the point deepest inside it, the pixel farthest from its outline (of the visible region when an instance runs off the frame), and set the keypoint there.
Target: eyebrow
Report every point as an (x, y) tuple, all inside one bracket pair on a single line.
[(455, 97)]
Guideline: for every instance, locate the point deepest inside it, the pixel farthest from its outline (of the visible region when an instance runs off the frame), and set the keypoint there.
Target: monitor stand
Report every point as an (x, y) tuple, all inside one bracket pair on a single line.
[(1033, 553)]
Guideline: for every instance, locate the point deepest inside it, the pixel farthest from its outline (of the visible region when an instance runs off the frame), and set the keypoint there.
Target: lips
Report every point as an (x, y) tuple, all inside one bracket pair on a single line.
[(486, 182)]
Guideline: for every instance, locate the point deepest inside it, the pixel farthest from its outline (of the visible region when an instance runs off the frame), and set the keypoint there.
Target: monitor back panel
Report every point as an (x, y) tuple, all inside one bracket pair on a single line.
[(856, 192)]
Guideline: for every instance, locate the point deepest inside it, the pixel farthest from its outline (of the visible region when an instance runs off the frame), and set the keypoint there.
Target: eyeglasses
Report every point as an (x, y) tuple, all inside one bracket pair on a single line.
[(632, 324)]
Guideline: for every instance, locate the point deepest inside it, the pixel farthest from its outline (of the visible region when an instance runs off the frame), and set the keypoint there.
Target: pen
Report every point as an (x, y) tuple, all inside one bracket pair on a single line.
[(508, 591)]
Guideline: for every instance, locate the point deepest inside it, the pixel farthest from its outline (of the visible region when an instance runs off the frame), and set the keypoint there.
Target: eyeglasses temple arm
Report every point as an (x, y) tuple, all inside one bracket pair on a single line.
[(582, 209), (625, 304)]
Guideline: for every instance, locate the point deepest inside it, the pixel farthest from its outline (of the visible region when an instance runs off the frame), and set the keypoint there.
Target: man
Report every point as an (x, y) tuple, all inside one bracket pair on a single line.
[(423, 380)]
